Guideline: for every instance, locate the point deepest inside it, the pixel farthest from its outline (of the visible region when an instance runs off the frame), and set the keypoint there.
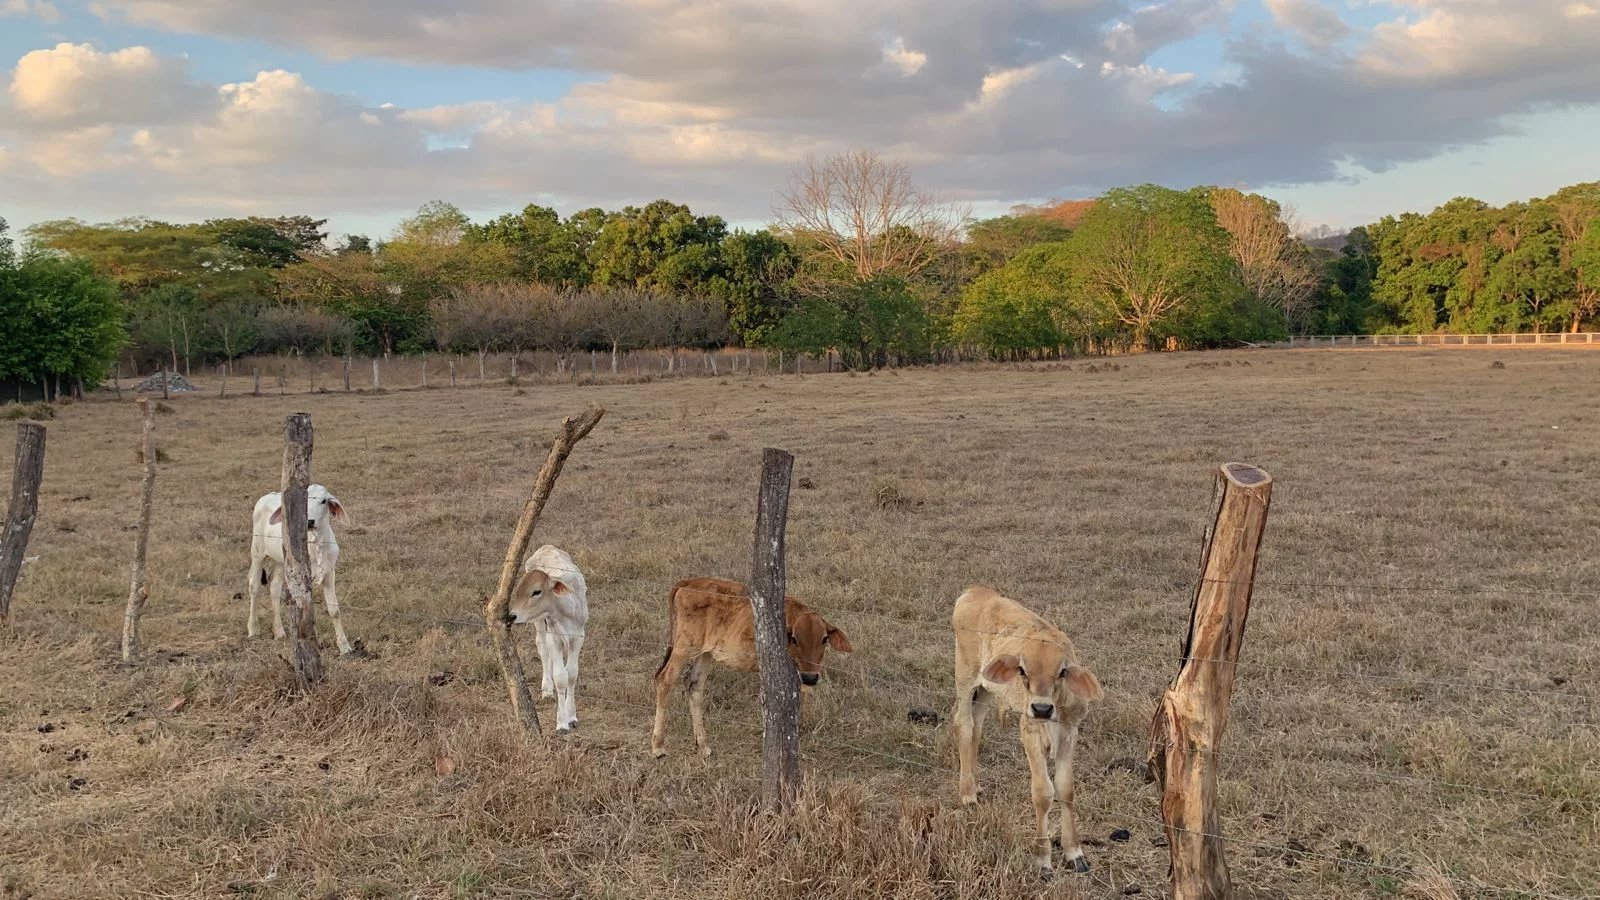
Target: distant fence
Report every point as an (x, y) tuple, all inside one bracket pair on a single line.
[(1547, 338)]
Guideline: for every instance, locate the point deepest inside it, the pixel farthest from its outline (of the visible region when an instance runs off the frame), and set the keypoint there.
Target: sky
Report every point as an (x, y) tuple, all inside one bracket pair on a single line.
[(359, 111)]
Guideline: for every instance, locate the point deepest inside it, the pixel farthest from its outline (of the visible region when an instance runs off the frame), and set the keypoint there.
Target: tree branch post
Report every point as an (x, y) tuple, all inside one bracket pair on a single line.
[(780, 681), (139, 593), (1186, 733), (23, 511), (495, 611), (302, 627)]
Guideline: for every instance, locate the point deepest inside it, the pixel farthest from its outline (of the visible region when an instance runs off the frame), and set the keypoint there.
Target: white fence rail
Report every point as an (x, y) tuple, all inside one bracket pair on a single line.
[(1547, 338)]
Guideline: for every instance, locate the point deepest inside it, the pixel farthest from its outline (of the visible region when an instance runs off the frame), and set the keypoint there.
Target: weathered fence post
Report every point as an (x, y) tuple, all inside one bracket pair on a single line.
[(166, 383), (495, 615), (140, 591), (258, 381), (347, 373), (116, 379), (452, 371), (424, 371), (1186, 733), (375, 382), (302, 627), (283, 379), (780, 681), (23, 511)]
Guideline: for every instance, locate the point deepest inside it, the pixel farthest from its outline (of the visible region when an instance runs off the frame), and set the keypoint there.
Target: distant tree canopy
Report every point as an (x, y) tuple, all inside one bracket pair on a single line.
[(59, 321), (861, 262)]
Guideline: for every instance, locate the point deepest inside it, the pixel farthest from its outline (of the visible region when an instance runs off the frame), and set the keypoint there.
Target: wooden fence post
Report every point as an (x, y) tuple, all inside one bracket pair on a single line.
[(258, 381), (495, 611), (347, 373), (424, 371), (283, 379), (23, 511), (166, 383), (452, 371), (116, 379), (302, 627), (140, 591), (375, 382), (780, 681), (1186, 733)]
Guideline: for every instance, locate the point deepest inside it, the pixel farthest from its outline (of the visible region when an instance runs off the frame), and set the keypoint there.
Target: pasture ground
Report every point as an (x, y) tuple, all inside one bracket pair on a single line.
[(1433, 520)]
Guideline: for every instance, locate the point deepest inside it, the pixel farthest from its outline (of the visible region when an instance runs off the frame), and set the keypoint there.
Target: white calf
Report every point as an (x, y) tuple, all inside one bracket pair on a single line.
[(552, 595), (266, 550)]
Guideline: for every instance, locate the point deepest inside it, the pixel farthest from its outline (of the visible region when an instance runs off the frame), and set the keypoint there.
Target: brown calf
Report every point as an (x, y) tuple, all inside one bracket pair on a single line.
[(1007, 653), (711, 617)]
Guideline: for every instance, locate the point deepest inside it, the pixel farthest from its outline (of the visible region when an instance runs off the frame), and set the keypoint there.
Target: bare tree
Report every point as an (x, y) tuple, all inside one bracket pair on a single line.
[(860, 213), (561, 324), (625, 318), (1275, 266)]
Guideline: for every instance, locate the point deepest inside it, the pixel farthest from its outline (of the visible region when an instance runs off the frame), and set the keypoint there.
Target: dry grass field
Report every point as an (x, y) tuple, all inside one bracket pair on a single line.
[(1415, 714)]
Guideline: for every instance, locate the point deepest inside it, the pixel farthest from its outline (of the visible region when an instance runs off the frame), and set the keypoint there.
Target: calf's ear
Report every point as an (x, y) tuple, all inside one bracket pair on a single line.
[(559, 588), (838, 640), (337, 508), (1002, 669), (1082, 682), (276, 517)]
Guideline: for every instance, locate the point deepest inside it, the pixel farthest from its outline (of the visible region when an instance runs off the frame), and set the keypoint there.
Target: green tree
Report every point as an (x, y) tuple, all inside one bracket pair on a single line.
[(1025, 305), (1586, 263), (542, 247), (991, 243), (1147, 256), (757, 267), (663, 245), (873, 323), (58, 319)]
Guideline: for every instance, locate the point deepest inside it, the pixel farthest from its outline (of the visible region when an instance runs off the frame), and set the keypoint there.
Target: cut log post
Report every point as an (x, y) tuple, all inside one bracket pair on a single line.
[(1186, 733), (139, 593), (424, 371), (780, 681), (452, 371), (496, 616), (258, 381), (23, 511), (116, 380), (302, 624), (347, 374), (375, 383), (283, 379), (166, 383)]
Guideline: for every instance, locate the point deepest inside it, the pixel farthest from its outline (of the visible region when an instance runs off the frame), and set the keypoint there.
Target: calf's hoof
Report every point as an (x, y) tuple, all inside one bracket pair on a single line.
[(1079, 864), (563, 730), (658, 752), (705, 752), (1046, 875)]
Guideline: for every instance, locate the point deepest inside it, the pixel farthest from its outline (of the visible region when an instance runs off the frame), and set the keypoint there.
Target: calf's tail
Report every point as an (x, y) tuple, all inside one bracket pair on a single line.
[(672, 626)]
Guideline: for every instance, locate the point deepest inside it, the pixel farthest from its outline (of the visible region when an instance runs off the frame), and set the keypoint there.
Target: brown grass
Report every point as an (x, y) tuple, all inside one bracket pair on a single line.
[(1081, 491)]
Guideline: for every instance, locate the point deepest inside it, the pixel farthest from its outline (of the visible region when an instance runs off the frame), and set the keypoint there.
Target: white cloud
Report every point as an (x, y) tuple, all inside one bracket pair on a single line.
[(906, 62), (714, 104), (43, 10), (1315, 23), (73, 85)]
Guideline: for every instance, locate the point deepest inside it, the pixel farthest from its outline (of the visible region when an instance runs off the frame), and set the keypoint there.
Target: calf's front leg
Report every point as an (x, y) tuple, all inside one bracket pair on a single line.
[(1065, 748), (1036, 745)]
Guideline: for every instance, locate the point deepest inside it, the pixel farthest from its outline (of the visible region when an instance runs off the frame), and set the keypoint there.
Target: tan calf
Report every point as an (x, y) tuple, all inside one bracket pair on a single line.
[(711, 619), (1006, 653)]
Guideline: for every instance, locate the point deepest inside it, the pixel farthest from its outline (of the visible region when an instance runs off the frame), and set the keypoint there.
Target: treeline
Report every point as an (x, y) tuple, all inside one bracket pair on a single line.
[(858, 261), (1468, 267)]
